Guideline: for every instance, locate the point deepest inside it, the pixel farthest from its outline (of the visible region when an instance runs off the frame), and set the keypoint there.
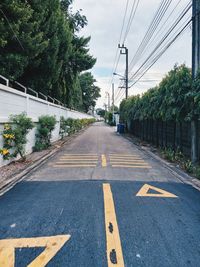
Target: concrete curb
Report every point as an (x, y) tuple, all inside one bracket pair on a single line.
[(178, 173), (16, 178)]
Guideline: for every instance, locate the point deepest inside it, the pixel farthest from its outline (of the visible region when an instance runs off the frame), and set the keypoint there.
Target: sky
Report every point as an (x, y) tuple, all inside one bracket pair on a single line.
[(105, 19)]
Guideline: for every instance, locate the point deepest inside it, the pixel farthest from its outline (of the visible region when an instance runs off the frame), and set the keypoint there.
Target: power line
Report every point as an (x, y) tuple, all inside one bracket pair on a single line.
[(164, 23), (186, 26), (162, 9), (131, 17), (124, 19), (178, 20)]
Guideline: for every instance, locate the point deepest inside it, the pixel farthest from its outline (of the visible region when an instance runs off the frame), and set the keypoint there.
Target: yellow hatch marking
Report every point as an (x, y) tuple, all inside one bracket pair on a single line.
[(114, 249), (78, 160), (125, 155), (79, 154), (52, 245), (129, 162), (143, 192), (73, 166), (132, 166), (121, 158), (103, 161)]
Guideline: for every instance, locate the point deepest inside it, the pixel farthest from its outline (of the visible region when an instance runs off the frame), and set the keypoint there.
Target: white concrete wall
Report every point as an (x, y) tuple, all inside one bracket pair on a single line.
[(13, 102)]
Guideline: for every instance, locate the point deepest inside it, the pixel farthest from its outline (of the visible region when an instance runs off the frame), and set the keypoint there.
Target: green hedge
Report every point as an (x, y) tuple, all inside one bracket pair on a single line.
[(177, 98)]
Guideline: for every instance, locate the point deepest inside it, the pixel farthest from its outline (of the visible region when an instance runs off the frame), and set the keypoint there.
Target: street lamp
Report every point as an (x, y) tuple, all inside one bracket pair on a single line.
[(116, 74)]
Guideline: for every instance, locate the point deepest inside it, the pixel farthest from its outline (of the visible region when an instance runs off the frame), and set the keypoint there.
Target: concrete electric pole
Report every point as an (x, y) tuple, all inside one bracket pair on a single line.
[(107, 93), (124, 51), (113, 100), (195, 67)]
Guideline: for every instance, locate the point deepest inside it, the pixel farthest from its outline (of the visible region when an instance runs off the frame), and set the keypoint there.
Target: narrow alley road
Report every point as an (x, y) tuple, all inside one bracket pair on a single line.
[(100, 202)]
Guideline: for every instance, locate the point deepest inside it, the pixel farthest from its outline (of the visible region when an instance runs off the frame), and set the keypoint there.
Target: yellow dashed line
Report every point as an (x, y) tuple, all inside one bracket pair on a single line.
[(114, 249)]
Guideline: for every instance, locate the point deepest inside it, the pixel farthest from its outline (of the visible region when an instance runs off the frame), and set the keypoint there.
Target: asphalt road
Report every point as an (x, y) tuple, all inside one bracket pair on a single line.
[(100, 202)]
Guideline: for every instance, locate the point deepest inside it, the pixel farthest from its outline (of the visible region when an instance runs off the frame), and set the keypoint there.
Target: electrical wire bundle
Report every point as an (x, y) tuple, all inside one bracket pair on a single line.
[(162, 32)]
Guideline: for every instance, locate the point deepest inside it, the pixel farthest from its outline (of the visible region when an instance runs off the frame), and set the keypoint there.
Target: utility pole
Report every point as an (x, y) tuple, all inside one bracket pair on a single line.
[(195, 67), (108, 100), (113, 100), (124, 51)]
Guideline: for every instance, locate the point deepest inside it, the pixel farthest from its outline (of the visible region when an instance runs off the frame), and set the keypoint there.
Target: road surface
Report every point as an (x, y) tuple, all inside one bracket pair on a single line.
[(100, 202)]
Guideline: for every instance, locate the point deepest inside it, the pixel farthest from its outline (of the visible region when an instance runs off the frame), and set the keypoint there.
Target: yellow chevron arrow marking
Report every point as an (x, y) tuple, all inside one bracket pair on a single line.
[(161, 193), (52, 245)]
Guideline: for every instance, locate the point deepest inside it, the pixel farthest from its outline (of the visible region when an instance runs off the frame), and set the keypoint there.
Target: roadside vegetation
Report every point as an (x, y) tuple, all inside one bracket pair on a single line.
[(15, 133), (108, 115), (181, 160), (174, 103), (42, 48)]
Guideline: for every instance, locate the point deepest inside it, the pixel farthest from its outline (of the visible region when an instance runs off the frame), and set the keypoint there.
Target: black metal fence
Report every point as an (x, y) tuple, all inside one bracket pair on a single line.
[(176, 135)]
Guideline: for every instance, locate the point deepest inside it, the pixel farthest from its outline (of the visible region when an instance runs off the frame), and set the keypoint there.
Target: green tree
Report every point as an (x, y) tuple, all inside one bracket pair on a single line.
[(41, 47), (19, 40), (90, 91)]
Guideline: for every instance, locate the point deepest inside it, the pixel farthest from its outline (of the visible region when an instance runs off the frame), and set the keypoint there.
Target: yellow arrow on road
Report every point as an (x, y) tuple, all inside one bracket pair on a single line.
[(143, 192), (52, 245)]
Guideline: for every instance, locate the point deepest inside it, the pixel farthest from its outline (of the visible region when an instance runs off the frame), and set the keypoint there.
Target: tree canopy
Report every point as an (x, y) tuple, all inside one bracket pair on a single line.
[(90, 92), (41, 47)]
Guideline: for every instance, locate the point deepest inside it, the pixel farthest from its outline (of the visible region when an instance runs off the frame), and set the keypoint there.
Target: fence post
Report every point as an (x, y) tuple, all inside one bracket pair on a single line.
[(27, 105), (194, 141)]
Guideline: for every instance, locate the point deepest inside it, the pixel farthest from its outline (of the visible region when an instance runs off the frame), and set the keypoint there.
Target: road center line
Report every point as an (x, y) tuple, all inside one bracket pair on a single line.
[(103, 160), (114, 249)]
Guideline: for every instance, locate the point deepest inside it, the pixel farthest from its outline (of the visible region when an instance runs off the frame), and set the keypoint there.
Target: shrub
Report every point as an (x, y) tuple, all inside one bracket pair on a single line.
[(14, 135), (71, 126), (64, 127), (46, 124)]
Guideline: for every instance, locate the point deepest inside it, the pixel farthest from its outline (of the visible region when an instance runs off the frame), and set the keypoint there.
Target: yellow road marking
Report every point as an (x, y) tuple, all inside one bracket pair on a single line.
[(78, 160), (143, 192), (79, 157), (80, 154), (125, 158), (75, 163), (73, 166), (114, 249), (126, 155), (103, 161), (132, 166), (128, 162), (52, 245)]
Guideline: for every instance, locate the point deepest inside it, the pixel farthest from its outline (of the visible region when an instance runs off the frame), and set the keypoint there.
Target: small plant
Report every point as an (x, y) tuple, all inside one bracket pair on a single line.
[(188, 166), (46, 124), (8, 139), (14, 135), (64, 127), (169, 154), (196, 171)]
